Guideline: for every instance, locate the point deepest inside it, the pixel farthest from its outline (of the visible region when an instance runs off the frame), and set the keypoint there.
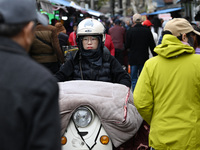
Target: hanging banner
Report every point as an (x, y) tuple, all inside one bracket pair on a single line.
[(46, 6)]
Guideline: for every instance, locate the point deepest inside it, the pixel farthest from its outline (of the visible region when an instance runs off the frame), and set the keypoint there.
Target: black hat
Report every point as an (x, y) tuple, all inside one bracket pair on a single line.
[(20, 11), (117, 21)]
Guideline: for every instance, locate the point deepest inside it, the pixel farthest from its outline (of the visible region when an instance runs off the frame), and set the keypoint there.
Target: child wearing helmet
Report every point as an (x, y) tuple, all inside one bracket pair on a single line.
[(93, 60)]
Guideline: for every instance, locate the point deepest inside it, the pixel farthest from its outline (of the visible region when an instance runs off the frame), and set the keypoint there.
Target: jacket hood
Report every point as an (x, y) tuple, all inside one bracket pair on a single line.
[(171, 46)]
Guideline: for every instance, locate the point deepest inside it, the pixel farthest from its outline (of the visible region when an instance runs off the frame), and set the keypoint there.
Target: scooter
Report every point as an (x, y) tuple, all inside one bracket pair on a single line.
[(96, 115), (86, 132)]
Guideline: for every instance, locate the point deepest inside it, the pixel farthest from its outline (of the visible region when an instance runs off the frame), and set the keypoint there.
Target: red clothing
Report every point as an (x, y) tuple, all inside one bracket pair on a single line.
[(72, 39), (118, 36), (109, 44)]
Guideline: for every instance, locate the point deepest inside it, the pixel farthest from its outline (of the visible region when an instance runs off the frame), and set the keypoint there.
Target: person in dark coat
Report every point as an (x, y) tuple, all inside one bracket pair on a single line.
[(29, 111), (62, 35), (117, 32), (138, 40), (92, 61)]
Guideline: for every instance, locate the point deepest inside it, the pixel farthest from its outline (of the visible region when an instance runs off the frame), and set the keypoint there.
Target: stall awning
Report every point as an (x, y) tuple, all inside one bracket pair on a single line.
[(62, 2), (94, 13), (75, 6), (163, 11), (90, 11)]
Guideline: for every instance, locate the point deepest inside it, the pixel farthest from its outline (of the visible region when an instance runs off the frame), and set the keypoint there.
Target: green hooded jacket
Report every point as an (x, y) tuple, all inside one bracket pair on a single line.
[(167, 95)]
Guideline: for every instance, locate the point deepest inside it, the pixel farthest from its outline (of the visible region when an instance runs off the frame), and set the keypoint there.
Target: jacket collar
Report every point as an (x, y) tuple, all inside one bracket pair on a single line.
[(8, 45), (138, 25)]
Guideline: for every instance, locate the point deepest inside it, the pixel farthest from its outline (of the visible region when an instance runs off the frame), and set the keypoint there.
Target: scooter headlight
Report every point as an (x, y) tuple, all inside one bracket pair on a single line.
[(82, 117)]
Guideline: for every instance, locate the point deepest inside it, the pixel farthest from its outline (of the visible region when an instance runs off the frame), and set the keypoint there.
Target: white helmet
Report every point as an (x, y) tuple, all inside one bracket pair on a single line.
[(90, 26)]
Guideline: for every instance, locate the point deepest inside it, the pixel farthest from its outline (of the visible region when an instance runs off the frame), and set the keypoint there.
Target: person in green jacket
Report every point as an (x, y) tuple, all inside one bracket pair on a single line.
[(167, 94)]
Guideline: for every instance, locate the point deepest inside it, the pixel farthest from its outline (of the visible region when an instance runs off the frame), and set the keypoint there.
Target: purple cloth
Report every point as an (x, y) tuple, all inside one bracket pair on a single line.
[(197, 50)]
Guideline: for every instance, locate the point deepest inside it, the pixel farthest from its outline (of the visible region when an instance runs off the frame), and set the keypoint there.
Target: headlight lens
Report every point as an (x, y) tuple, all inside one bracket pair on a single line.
[(82, 117)]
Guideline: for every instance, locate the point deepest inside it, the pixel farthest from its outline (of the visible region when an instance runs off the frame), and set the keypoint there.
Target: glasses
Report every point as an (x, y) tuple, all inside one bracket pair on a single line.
[(90, 38)]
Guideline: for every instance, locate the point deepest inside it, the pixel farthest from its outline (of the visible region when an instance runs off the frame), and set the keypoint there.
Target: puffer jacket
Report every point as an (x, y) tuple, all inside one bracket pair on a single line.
[(110, 71), (167, 95), (45, 47)]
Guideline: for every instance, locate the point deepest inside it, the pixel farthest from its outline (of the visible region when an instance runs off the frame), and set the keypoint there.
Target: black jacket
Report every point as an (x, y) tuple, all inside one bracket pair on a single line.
[(63, 40), (138, 40), (29, 111), (110, 71)]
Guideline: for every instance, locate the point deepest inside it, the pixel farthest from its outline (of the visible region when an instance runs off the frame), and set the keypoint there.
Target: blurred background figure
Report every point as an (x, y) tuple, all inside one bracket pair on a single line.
[(128, 24), (157, 26), (196, 38), (118, 37), (72, 35), (161, 36), (46, 48), (149, 25), (109, 44), (62, 36), (138, 40)]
